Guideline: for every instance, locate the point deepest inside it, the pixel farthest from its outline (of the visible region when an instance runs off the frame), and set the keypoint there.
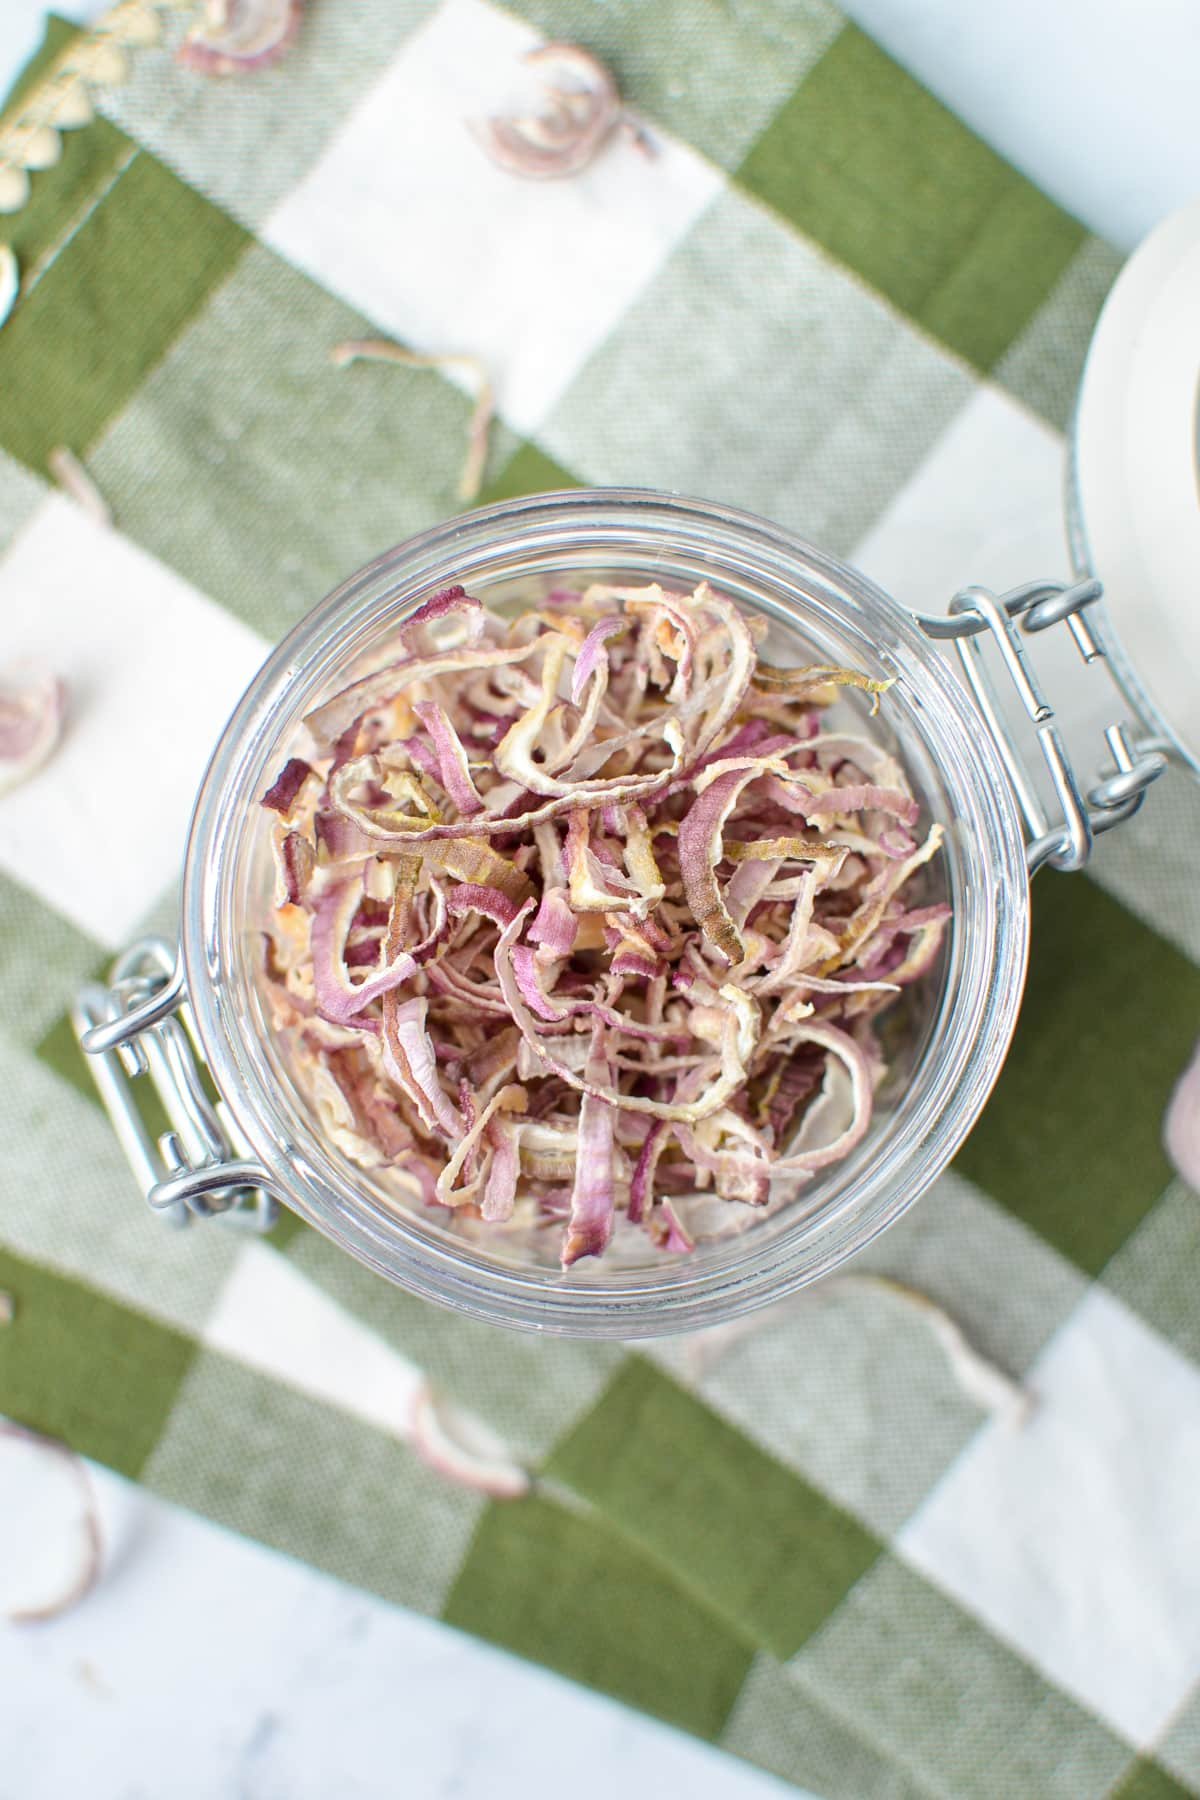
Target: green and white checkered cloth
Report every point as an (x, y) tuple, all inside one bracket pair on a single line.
[(822, 299)]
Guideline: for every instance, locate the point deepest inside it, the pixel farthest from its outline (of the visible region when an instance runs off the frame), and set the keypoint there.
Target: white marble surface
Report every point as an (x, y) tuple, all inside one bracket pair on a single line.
[(205, 1666)]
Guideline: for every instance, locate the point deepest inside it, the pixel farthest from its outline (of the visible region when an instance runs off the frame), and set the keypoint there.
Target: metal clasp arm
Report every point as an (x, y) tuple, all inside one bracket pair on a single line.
[(140, 1028), (1038, 605)]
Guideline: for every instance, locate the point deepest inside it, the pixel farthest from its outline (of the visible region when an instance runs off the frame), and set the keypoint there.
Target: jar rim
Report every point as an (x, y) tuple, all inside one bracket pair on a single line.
[(991, 931)]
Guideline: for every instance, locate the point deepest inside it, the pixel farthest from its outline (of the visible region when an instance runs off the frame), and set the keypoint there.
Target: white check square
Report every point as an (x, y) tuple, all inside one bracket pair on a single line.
[(405, 217), (985, 505), (275, 1320), (1077, 1536), (153, 670)]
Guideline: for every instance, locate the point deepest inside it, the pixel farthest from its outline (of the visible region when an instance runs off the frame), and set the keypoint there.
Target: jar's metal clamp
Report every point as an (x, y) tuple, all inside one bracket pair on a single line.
[(139, 1030), (977, 616), (141, 1041)]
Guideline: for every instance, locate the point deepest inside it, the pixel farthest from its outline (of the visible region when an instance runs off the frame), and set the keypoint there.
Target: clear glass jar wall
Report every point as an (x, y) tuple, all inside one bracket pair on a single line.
[(947, 1046)]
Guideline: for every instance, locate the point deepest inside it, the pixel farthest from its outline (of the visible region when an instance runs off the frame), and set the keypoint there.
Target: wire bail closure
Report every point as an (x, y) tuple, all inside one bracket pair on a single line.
[(976, 614), (141, 1041)]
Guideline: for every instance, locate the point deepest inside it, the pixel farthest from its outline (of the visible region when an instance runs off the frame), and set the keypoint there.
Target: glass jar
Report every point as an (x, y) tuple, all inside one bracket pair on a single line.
[(259, 1142)]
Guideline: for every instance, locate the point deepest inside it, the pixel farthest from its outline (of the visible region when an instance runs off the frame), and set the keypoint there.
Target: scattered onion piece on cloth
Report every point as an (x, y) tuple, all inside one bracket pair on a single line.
[(1181, 1128), (382, 350), (462, 1449), (982, 1380), (572, 942), (31, 722), (74, 480), (89, 1557), (236, 37), (10, 281), (583, 109)]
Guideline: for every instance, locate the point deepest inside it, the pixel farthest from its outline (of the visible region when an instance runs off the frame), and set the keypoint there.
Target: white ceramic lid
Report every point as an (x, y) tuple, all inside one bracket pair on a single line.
[(1135, 490)]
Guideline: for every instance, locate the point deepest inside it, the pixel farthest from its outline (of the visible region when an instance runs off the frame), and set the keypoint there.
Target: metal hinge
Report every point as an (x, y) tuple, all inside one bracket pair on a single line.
[(976, 615), (139, 1030)]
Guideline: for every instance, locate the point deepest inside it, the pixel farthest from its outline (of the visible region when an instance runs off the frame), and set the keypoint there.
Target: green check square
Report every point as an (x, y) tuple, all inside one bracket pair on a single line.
[(287, 1228), (1071, 1139), (754, 1541), (60, 973), (263, 473), (1147, 1780), (867, 162), (1045, 364), (936, 1695), (43, 958), (312, 1481), (566, 1590), (83, 336), (81, 1367)]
